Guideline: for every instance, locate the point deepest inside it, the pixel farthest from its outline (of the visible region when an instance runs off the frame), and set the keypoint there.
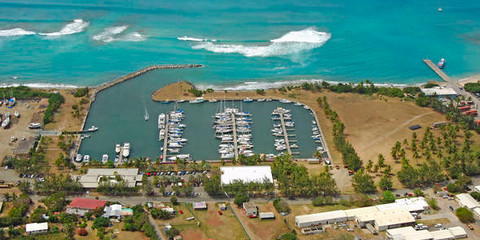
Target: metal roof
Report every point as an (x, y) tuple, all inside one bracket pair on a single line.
[(246, 174), (33, 227)]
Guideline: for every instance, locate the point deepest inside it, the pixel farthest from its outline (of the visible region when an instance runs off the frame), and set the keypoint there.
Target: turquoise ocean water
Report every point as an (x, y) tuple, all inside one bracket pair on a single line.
[(348, 40)]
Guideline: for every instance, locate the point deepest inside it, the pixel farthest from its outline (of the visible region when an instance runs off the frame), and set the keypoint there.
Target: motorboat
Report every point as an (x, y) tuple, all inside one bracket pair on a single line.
[(6, 122), (117, 148), (126, 150), (173, 150), (441, 63), (213, 100), (86, 158), (197, 100), (227, 155), (284, 101), (117, 159), (17, 114), (247, 100), (93, 128), (306, 107), (104, 158), (78, 158)]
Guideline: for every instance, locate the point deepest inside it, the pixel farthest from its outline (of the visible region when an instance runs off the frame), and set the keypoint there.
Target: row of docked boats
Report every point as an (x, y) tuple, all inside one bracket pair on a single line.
[(170, 132), (317, 137), (281, 129), (233, 129)]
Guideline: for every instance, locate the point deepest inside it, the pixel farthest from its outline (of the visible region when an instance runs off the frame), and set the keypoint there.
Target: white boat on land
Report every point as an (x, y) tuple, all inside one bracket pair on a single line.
[(104, 158), (126, 150), (6, 122), (34, 125), (86, 158), (117, 148), (93, 128), (17, 114)]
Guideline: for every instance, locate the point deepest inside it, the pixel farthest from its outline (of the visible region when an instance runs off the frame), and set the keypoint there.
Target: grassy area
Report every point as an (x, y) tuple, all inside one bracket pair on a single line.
[(432, 222)]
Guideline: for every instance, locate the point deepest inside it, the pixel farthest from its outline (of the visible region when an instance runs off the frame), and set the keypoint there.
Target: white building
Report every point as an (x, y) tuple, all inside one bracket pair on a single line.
[(114, 210), (95, 176), (386, 219), (416, 204), (246, 174), (465, 200), (321, 218), (477, 188), (34, 228), (409, 233), (440, 92)]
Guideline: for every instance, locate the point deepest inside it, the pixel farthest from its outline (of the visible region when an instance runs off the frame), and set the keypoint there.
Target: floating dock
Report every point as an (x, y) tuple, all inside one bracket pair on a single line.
[(285, 135), (165, 139), (235, 140)]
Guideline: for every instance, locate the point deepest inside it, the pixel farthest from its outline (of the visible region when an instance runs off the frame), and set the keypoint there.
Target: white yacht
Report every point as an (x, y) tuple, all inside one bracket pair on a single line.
[(6, 122), (34, 125), (17, 114), (93, 128), (86, 158), (104, 158), (78, 158), (126, 150), (117, 148)]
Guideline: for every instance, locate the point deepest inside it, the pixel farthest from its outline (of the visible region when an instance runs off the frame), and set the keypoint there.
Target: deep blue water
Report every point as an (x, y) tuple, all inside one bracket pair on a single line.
[(382, 40)]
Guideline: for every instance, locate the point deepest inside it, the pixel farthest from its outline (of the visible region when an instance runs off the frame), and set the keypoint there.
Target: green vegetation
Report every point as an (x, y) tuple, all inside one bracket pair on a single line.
[(464, 215), (160, 214), (195, 92), (472, 87), (430, 85), (388, 197), (139, 222), (321, 201), (116, 189), (349, 155), (172, 232), (432, 202), (240, 199), (33, 164), (56, 202), (174, 200), (16, 215), (260, 91), (54, 102), (288, 236), (58, 184), (281, 205), (475, 195), (101, 222), (294, 179), (363, 183), (81, 92)]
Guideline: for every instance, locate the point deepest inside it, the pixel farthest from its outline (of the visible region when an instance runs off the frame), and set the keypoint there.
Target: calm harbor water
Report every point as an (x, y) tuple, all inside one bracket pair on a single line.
[(118, 112)]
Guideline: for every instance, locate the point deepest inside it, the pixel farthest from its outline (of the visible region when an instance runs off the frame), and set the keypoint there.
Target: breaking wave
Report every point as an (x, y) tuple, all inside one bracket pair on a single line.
[(192, 39), (77, 26), (290, 43), (15, 32), (40, 85), (108, 33)]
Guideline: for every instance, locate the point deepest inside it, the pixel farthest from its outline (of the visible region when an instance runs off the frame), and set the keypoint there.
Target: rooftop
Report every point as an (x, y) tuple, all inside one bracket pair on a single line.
[(86, 203), (33, 227), (94, 175), (321, 216), (439, 91), (466, 200), (246, 174)]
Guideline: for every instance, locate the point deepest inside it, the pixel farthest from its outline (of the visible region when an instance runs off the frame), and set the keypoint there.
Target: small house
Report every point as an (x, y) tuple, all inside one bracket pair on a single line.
[(35, 228), (114, 210), (200, 205), (250, 209), (80, 206)]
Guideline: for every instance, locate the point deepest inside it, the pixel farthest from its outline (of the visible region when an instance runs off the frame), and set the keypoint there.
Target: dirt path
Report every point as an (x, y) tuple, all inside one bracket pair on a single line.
[(394, 131)]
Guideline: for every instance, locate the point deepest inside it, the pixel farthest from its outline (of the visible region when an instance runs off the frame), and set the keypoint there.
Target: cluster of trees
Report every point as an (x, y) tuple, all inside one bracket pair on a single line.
[(160, 214), (81, 92), (33, 164), (54, 102), (349, 155), (58, 183), (16, 215), (472, 87), (139, 222), (366, 87), (281, 205), (213, 186), (195, 92), (464, 215), (294, 179), (362, 182)]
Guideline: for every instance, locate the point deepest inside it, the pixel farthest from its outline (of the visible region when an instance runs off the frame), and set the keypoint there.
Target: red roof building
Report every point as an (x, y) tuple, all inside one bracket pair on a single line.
[(80, 206)]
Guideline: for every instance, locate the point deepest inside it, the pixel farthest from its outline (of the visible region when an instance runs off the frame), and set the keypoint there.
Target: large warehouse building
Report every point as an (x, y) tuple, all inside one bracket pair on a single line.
[(246, 174), (382, 217)]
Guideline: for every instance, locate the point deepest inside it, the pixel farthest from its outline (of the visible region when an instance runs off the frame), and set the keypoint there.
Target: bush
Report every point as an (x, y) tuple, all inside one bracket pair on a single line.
[(473, 87), (281, 205), (321, 201), (53, 104), (174, 200), (101, 222), (475, 195), (81, 92), (260, 91), (388, 197), (412, 90), (430, 85), (172, 232), (240, 199), (82, 232), (464, 215), (288, 236), (195, 92), (432, 202)]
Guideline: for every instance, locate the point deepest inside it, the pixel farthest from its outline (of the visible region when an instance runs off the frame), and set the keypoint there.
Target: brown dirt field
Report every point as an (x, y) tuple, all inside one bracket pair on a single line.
[(263, 229), (220, 226), (213, 219), (193, 234), (63, 118)]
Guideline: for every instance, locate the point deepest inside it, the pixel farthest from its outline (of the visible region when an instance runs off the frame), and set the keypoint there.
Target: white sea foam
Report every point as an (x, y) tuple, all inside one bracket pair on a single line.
[(290, 43), (78, 25), (192, 39), (108, 33), (132, 37), (15, 32), (250, 86), (40, 85)]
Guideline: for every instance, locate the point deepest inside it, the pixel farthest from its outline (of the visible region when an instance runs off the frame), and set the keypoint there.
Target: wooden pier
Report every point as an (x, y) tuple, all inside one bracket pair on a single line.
[(165, 138), (285, 135), (437, 70), (235, 141)]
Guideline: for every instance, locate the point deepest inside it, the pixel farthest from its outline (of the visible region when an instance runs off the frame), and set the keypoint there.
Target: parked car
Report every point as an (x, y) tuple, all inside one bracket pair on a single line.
[(220, 213), (451, 208), (470, 226)]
